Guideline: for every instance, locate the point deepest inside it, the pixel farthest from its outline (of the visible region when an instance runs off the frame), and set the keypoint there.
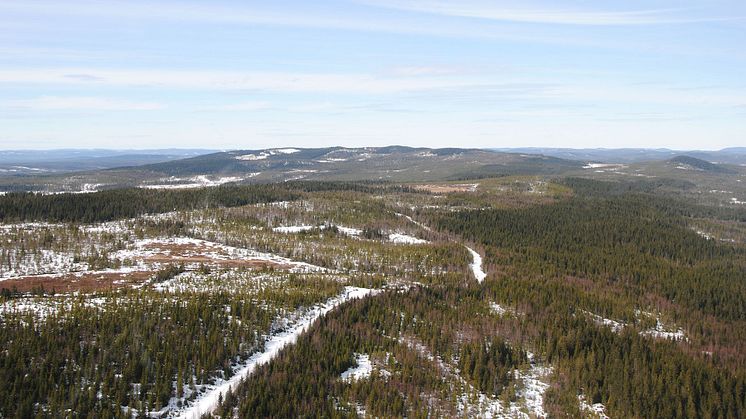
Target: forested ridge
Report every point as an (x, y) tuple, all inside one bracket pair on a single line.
[(620, 239), (129, 203)]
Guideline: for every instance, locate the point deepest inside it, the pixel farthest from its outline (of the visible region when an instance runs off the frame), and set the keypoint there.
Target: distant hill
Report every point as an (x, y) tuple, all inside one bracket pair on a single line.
[(392, 163), (24, 162), (698, 164), (733, 155), (370, 163)]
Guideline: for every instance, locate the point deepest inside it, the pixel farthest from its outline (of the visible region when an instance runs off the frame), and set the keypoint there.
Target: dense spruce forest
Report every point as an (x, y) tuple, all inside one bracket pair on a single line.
[(600, 298)]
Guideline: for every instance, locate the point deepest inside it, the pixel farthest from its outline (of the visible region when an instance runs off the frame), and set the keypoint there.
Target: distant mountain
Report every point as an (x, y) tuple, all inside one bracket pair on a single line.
[(24, 162), (733, 155)]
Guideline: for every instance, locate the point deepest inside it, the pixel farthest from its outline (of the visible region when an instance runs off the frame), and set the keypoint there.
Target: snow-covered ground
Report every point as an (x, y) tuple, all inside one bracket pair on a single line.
[(615, 326), (603, 166), (476, 265), (501, 310), (43, 262), (208, 401), (362, 370), (473, 403), (660, 331), (40, 308), (215, 251), (194, 182), (294, 229), (417, 223), (597, 410), (148, 254), (401, 238), (397, 238), (350, 231), (266, 153), (533, 387)]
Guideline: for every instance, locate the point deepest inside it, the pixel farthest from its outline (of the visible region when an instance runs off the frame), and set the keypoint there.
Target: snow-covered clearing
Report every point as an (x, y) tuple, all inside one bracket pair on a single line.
[(195, 182), (211, 250), (397, 238), (350, 231), (476, 265), (149, 254), (252, 157), (207, 402), (266, 153), (362, 370), (331, 160), (293, 229), (603, 166), (401, 238)]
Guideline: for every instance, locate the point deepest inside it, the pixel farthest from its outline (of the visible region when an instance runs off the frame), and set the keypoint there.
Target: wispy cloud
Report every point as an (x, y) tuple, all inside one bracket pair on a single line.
[(249, 106), (467, 89), (46, 103), (551, 15), (432, 18), (348, 83)]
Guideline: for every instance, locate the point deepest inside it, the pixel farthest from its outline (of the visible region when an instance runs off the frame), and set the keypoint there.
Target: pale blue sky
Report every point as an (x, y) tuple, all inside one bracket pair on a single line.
[(468, 73)]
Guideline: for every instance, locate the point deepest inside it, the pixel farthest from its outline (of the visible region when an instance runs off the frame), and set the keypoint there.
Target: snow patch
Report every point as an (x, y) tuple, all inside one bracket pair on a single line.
[(196, 182), (615, 326), (612, 166), (413, 221), (598, 410), (476, 265), (293, 229), (253, 157), (501, 311), (361, 371), (350, 231), (660, 331), (400, 238)]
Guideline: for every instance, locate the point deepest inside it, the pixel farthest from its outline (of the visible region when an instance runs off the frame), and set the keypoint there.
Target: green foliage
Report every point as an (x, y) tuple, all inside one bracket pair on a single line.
[(620, 239), (129, 203)]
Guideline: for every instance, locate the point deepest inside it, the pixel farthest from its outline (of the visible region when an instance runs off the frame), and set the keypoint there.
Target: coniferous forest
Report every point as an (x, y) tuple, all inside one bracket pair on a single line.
[(344, 299)]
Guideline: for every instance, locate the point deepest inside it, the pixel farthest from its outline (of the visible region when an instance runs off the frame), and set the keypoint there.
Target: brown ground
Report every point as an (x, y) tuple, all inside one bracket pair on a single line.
[(166, 254), (84, 282), (194, 253), (446, 188)]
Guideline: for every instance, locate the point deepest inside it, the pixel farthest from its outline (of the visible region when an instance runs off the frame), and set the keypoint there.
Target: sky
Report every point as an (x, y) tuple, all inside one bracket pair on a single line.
[(230, 74)]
